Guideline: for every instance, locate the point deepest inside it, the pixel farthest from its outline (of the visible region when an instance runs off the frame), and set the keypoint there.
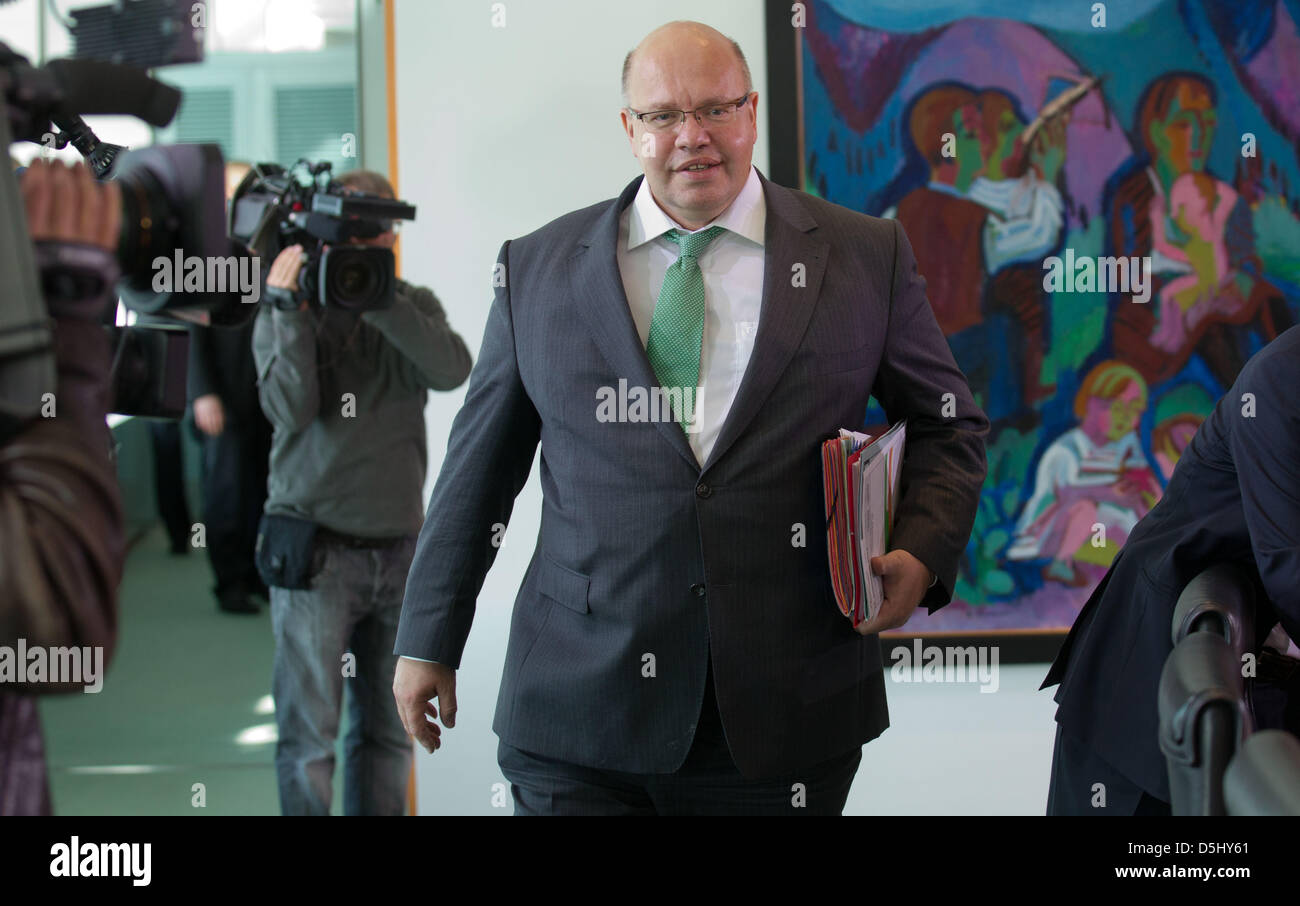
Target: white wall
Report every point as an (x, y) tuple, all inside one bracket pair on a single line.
[(499, 131), (19, 29), (372, 85)]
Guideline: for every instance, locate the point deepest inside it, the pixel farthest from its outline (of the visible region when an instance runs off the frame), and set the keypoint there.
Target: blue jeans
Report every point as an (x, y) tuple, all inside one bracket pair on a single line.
[(353, 606)]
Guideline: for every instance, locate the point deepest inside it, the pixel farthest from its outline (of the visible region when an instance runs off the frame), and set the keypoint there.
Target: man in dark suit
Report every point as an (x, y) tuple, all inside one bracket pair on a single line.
[(1234, 497), (236, 439), (676, 646)]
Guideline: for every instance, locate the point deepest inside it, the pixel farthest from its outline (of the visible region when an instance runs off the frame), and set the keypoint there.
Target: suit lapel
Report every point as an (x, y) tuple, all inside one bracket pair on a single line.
[(786, 308), (598, 287), (785, 312)]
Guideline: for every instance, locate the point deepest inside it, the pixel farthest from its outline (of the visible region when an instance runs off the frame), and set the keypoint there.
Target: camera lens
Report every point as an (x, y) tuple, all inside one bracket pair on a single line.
[(359, 279), (150, 229)]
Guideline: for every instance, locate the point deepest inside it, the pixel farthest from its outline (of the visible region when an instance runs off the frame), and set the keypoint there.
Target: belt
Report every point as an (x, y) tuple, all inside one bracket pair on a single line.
[(334, 537)]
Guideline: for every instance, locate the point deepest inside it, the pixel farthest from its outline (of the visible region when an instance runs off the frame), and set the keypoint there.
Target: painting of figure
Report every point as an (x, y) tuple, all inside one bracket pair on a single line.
[(1150, 147)]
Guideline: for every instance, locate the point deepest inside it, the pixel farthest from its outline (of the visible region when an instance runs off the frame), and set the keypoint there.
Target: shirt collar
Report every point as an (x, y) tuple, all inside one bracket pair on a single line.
[(746, 215)]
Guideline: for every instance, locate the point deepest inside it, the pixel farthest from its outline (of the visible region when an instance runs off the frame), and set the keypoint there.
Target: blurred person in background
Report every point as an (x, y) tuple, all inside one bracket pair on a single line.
[(236, 441), (61, 531)]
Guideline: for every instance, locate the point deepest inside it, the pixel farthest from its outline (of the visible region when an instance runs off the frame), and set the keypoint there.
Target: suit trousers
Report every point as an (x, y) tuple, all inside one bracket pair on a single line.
[(235, 466), (708, 783), (169, 483), (1083, 784)]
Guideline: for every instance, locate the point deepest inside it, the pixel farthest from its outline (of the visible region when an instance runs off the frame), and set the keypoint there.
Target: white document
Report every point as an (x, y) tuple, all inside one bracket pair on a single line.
[(876, 482)]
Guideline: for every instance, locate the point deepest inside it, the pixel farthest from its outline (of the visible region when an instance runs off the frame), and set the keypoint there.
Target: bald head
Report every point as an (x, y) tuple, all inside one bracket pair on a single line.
[(697, 166), (682, 38)]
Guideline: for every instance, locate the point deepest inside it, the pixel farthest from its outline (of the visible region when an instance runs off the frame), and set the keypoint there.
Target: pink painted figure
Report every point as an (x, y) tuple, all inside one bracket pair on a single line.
[(1090, 475), (1193, 234)]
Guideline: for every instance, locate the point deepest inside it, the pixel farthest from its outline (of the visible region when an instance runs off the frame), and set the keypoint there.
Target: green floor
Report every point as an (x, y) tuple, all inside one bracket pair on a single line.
[(185, 683)]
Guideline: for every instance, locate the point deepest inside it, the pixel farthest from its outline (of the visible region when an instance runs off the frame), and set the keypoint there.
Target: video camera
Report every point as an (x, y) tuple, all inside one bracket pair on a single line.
[(274, 208), (173, 204)]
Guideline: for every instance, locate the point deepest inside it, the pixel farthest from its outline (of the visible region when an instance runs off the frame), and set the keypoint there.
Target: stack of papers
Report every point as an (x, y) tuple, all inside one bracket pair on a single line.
[(860, 478)]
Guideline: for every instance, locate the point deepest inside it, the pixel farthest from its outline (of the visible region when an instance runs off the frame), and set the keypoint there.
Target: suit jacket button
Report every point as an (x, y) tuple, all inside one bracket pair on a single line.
[(703, 490), (698, 590)]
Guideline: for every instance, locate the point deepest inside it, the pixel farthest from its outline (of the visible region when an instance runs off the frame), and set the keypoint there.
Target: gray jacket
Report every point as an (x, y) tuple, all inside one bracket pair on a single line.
[(345, 396)]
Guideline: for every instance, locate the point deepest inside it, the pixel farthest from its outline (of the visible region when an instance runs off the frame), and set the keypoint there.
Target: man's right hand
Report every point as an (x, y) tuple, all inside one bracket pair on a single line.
[(285, 271), (209, 414), (414, 685)]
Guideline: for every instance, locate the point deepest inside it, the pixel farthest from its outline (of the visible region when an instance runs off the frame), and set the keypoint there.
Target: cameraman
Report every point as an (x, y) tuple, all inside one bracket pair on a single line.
[(61, 538), (345, 396)]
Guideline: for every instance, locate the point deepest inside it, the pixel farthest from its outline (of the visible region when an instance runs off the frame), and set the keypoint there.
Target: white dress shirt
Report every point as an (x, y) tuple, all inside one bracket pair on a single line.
[(732, 267)]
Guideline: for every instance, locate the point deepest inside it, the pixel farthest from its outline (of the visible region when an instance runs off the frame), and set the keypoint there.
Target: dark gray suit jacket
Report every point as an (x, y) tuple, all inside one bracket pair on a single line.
[(642, 551), (1234, 497)]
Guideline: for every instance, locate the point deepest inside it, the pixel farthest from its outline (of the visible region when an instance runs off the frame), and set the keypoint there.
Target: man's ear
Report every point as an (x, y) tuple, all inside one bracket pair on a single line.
[(628, 130)]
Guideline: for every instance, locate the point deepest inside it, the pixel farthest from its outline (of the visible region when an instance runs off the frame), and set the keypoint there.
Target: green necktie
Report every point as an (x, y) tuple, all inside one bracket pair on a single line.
[(677, 327)]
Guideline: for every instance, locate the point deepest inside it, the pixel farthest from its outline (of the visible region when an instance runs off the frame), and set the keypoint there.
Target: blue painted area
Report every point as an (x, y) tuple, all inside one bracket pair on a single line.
[(915, 15), (1123, 52)]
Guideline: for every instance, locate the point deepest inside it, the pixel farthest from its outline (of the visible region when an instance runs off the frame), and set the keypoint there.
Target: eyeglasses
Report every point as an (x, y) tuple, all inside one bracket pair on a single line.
[(712, 114)]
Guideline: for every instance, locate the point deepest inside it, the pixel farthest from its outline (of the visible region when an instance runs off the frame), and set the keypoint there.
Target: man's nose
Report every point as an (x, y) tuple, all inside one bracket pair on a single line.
[(692, 133)]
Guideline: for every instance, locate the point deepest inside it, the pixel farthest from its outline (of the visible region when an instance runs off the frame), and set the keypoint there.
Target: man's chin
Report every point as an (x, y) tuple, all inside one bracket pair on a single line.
[(697, 197)]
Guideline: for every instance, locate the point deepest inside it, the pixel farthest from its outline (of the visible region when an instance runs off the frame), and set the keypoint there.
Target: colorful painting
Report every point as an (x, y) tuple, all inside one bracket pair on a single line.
[(1101, 274)]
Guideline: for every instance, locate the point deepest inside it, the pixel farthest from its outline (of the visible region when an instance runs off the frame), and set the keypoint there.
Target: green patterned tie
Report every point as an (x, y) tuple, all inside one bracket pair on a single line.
[(677, 327)]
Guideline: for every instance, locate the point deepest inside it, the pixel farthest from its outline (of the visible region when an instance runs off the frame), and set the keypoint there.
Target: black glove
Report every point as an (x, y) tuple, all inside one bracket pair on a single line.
[(76, 279)]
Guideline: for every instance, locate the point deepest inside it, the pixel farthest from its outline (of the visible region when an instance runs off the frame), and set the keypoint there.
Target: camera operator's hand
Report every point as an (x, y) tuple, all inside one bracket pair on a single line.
[(209, 414), (285, 270), (66, 204)]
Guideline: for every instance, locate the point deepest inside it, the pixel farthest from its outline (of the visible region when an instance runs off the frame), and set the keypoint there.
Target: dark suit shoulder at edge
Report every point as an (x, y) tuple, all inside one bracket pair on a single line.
[(1279, 360)]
